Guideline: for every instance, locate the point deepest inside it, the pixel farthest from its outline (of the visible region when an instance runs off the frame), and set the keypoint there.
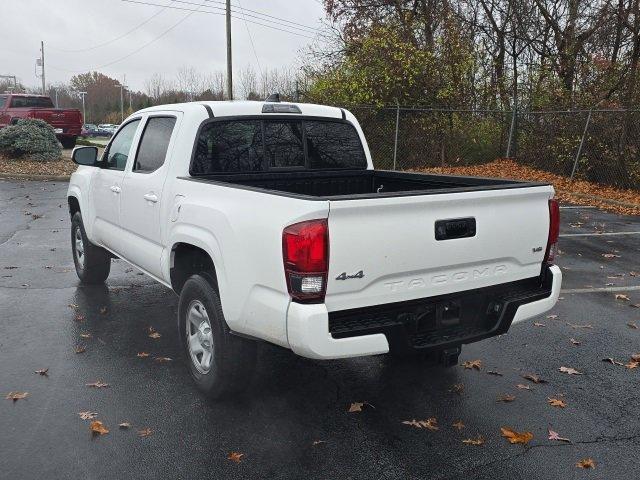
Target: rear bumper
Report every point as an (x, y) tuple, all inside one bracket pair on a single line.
[(419, 325)]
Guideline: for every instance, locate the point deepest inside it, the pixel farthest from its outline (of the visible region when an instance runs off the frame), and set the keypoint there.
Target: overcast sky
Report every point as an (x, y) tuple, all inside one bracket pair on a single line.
[(197, 41)]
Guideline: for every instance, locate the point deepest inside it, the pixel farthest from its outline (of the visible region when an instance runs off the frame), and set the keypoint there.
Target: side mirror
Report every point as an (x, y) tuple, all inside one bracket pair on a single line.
[(85, 156)]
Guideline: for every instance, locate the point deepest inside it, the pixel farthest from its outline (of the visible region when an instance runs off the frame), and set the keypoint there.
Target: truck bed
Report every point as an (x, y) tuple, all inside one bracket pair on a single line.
[(353, 184)]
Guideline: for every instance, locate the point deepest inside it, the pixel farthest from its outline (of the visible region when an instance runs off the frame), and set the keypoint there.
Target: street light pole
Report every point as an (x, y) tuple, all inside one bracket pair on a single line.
[(84, 113), (42, 61)]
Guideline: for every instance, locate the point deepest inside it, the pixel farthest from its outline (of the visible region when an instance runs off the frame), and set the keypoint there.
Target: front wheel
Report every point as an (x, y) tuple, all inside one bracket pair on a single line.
[(92, 262), (220, 363)]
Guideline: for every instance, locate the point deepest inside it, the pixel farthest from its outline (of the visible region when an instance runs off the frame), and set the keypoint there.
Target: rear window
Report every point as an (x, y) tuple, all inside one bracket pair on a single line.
[(3, 100), (236, 146), (31, 102)]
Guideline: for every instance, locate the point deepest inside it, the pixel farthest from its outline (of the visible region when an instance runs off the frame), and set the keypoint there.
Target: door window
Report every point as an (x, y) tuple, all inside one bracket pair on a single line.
[(118, 152), (154, 144)]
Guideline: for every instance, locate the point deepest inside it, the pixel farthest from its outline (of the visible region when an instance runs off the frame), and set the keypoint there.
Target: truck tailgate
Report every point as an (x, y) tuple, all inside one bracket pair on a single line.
[(384, 250), (59, 118)]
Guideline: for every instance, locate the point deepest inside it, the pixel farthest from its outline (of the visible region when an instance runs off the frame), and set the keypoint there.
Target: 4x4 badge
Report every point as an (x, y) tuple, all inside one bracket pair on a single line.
[(344, 276)]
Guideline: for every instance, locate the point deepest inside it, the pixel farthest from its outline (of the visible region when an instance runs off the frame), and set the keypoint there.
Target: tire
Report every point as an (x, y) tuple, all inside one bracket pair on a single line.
[(68, 142), (232, 358), (93, 263)]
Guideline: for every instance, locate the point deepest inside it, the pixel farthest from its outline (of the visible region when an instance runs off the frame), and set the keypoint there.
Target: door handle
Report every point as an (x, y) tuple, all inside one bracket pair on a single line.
[(115, 188), (151, 197)]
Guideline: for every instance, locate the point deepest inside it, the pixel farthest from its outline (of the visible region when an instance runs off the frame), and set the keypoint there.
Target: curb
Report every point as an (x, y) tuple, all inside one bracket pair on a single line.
[(27, 176)]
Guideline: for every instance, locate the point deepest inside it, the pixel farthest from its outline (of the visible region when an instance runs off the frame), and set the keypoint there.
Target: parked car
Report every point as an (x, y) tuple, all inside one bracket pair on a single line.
[(67, 122), (270, 223), (89, 130), (107, 129)]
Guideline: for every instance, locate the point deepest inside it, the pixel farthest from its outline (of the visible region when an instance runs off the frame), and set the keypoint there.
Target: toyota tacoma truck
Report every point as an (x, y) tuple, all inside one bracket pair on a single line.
[(270, 223), (66, 122)]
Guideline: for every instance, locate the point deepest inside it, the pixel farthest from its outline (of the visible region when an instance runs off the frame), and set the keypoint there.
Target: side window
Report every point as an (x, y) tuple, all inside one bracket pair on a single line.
[(283, 144), (118, 152), (152, 151), (3, 101), (333, 145), (234, 146)]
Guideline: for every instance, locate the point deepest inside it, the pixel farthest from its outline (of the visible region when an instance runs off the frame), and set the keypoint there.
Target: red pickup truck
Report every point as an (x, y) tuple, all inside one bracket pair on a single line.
[(67, 122)]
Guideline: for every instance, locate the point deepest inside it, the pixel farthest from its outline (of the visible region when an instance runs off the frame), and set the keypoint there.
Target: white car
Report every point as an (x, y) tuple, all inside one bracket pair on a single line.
[(270, 223)]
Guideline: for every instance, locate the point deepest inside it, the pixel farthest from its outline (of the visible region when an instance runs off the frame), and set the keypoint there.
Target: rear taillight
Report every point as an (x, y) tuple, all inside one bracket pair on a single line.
[(554, 231), (305, 251)]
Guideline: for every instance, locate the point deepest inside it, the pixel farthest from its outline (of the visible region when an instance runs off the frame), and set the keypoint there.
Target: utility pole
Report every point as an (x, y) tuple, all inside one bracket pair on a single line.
[(229, 64), (84, 113), (121, 103), (42, 62)]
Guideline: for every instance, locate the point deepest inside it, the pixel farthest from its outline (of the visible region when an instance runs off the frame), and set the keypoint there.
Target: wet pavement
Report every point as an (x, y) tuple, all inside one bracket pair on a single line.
[(293, 421)]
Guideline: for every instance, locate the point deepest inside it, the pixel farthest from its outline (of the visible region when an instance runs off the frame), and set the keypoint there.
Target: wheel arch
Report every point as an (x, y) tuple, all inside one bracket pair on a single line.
[(188, 259)]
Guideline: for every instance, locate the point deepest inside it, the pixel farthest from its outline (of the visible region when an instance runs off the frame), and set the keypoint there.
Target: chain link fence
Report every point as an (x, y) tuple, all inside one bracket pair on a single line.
[(602, 146)]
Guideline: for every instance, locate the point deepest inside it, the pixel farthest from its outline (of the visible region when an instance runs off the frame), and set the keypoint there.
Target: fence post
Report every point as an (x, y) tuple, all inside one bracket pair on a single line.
[(512, 129), (579, 152), (395, 142)]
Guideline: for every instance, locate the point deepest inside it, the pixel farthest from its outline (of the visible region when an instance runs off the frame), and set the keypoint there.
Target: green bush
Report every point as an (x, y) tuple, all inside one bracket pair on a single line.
[(32, 138)]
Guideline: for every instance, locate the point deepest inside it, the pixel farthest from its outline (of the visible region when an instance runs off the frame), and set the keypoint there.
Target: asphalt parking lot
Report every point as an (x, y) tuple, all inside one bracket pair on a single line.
[(294, 420)]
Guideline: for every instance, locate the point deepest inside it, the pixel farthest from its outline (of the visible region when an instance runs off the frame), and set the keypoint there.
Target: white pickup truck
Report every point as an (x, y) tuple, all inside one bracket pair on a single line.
[(270, 223)]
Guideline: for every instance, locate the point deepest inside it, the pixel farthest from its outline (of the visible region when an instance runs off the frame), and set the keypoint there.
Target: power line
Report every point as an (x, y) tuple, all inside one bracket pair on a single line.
[(216, 13), (266, 15), (253, 47), (113, 40), (139, 48)]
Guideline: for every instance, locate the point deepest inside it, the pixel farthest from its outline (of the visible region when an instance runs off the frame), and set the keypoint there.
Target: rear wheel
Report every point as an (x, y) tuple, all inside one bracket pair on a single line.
[(92, 263), (68, 142), (219, 362)]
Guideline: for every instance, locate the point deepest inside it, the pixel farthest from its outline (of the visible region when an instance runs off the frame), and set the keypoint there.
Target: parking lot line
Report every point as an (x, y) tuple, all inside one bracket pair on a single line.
[(595, 234), (601, 289)]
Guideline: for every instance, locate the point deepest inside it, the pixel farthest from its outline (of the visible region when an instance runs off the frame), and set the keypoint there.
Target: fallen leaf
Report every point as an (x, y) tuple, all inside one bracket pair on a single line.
[(634, 274), (479, 440), (494, 372), (162, 359), (635, 305), (552, 317), (506, 398), (632, 365), (458, 425), (632, 325), (635, 357), (153, 333), (586, 463), (98, 384), (556, 402), (103, 310), (87, 415), (610, 255), (472, 364), (142, 354), (72, 305), (620, 296), (457, 388), (612, 361), (97, 428), (570, 371), (524, 387), (318, 442), (534, 378), (555, 436), (235, 456), (44, 372), (85, 335), (536, 324), (356, 407), (79, 318), (574, 341), (145, 432), (80, 349), (573, 325), (124, 425), (429, 423), (15, 396), (516, 437)]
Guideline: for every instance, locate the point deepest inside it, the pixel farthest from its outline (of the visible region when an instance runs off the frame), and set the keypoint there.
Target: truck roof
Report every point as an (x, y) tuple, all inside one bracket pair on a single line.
[(247, 107)]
